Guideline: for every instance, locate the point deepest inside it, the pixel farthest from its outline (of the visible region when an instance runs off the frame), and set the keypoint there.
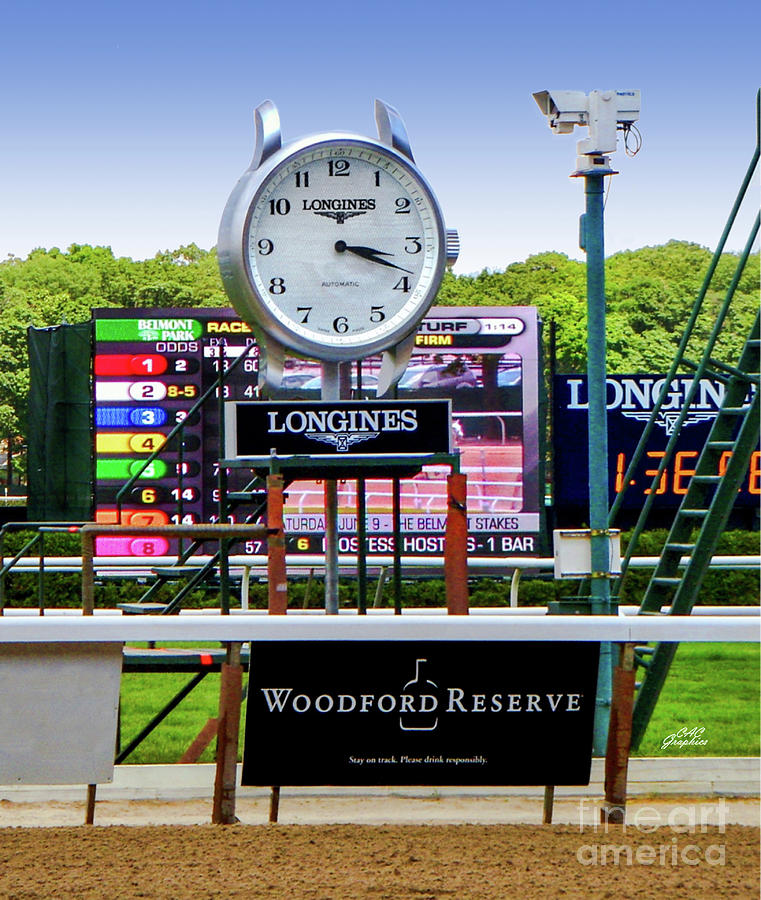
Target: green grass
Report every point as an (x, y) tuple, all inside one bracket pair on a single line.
[(711, 686), (144, 695)]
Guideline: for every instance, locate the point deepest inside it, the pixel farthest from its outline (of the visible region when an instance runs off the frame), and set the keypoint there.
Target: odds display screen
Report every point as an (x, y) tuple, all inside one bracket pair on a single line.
[(152, 365)]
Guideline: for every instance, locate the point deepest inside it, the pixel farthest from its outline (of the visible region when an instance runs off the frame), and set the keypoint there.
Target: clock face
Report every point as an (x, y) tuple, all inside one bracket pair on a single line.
[(344, 249)]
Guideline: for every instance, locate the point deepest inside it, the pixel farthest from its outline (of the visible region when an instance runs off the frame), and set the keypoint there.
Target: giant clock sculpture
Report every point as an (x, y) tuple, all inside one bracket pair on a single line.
[(333, 246)]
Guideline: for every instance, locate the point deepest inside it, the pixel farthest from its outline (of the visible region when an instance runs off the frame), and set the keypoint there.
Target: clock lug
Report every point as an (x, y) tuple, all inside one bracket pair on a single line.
[(391, 129), (271, 363), (268, 137), (393, 363)]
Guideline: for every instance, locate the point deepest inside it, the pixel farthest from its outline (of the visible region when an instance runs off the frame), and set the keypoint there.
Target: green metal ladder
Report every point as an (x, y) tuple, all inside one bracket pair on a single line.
[(705, 508)]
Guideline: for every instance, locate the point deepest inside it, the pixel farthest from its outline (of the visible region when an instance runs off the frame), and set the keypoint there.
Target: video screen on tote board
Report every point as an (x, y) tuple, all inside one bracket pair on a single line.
[(151, 365)]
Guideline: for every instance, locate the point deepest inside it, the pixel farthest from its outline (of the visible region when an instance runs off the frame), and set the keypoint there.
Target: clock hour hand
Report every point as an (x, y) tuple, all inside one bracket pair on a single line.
[(369, 254)]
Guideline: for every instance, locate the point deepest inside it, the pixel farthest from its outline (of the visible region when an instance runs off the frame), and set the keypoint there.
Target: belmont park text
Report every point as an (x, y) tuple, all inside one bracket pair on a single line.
[(284, 700)]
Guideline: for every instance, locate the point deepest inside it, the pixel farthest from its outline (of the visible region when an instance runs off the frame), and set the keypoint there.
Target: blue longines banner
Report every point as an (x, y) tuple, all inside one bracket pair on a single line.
[(420, 713), (630, 400)]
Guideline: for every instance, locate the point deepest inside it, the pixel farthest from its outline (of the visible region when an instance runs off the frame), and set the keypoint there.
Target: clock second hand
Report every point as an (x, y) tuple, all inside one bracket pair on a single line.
[(369, 254)]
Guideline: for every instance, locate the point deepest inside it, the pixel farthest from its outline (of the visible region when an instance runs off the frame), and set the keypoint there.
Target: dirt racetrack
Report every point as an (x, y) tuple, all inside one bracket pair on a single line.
[(332, 862)]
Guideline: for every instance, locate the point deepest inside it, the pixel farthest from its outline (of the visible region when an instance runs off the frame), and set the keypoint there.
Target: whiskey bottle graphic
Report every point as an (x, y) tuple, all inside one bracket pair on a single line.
[(419, 701)]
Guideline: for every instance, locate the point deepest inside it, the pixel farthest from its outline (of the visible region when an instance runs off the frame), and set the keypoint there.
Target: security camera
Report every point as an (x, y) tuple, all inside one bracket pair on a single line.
[(629, 104), (601, 111), (564, 109)]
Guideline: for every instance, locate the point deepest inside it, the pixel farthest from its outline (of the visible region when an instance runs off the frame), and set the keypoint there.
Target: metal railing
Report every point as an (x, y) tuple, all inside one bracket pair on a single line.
[(221, 532), (37, 540), (244, 566)]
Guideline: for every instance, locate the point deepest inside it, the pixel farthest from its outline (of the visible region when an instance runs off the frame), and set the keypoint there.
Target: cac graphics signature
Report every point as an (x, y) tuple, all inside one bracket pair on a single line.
[(685, 737)]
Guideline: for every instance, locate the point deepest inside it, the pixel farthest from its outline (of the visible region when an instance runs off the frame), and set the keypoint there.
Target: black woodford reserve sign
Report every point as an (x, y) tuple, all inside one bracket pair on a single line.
[(420, 713), (344, 426)]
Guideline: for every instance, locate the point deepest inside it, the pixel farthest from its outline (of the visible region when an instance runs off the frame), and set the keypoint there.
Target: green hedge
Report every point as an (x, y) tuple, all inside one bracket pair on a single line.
[(721, 587)]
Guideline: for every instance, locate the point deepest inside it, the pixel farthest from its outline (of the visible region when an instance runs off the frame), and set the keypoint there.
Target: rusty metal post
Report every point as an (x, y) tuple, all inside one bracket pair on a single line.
[(274, 804), (549, 804), (456, 546), (41, 574), (330, 491), (88, 585), (277, 584), (613, 810), (88, 603), (396, 513), (90, 806), (230, 692), (277, 581), (361, 547)]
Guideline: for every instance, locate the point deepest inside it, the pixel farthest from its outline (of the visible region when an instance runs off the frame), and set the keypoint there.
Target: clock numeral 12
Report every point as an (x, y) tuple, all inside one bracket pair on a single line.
[(338, 167)]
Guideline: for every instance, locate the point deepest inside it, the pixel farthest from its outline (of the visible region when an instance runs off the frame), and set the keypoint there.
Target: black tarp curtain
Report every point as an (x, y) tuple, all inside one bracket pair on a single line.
[(59, 436)]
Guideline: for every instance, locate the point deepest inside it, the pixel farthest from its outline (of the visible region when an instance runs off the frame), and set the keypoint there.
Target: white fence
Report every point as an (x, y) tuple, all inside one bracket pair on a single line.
[(408, 627), (295, 561)]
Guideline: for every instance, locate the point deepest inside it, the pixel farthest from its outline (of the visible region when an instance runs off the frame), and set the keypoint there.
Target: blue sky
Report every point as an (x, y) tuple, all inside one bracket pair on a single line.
[(127, 125)]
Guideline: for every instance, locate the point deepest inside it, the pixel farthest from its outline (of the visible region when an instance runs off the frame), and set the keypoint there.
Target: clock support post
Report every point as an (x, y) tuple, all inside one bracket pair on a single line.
[(331, 390)]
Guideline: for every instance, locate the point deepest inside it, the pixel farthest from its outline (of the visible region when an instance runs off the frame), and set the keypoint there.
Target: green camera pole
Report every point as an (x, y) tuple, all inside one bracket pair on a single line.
[(593, 243), (604, 113)]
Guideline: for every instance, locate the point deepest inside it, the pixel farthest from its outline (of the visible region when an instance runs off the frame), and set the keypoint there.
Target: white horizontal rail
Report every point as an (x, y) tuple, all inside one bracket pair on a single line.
[(638, 629), (317, 561), (508, 611)]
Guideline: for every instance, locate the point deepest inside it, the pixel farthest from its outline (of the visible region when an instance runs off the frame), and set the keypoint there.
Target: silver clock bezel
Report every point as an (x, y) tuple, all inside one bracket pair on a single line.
[(233, 255)]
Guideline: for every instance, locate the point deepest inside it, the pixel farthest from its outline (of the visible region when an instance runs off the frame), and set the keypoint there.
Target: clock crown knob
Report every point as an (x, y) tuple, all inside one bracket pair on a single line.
[(452, 246)]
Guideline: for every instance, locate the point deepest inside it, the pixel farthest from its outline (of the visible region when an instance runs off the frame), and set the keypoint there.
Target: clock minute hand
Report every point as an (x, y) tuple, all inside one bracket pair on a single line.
[(370, 254)]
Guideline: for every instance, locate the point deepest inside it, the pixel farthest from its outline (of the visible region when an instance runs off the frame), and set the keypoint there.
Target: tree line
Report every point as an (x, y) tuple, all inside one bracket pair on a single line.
[(650, 293)]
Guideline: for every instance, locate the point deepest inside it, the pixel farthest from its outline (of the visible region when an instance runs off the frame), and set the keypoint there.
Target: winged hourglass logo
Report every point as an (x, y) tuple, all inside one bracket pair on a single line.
[(340, 216), (669, 420), (344, 439)]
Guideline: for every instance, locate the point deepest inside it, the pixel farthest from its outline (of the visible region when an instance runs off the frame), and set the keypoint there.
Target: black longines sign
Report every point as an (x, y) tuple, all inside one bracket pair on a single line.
[(420, 713), (344, 426)]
